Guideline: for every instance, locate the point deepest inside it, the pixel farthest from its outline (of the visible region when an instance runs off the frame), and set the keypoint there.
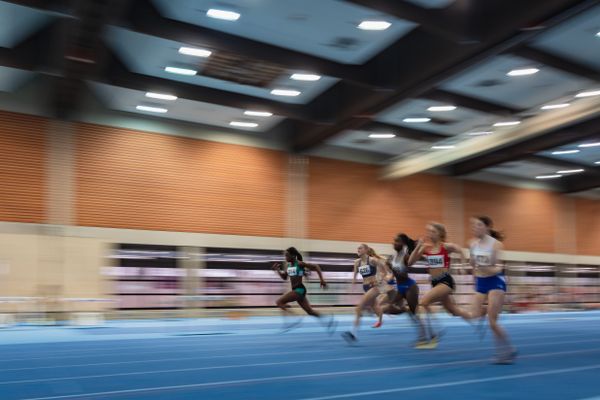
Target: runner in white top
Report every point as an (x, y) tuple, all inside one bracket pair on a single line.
[(490, 284)]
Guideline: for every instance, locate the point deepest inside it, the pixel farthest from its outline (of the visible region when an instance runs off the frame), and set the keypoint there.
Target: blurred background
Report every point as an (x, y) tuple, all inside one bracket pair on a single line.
[(156, 157)]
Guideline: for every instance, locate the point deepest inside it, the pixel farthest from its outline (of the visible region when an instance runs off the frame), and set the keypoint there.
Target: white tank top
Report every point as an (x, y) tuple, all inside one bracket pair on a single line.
[(397, 262), (482, 253)]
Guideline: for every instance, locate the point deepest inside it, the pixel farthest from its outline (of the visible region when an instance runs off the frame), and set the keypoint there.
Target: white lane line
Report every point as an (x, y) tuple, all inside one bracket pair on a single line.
[(516, 325), (229, 349), (336, 373), (457, 383), (520, 345)]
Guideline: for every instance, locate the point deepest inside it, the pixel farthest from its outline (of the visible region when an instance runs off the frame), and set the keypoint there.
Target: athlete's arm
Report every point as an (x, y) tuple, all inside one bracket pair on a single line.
[(416, 254), (454, 248), (277, 268), (317, 268), (355, 271)]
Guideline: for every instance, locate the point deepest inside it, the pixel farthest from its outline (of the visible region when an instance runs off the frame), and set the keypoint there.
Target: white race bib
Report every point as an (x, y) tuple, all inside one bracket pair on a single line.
[(364, 269), (436, 261)]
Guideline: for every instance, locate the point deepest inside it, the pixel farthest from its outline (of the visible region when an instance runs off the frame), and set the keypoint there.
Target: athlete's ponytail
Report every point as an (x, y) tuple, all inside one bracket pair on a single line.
[(411, 244), (487, 221)]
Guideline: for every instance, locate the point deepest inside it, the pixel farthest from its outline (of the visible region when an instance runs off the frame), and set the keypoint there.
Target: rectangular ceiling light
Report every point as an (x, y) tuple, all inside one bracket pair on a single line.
[(570, 171), (588, 93), (507, 123), (373, 25), (190, 51), (416, 120), (558, 152), (181, 71), (242, 124), (305, 77), (555, 106), (382, 135), (151, 109), (548, 176), (258, 113), (523, 72), (443, 147), (441, 108), (285, 92), (223, 14), (596, 144), (161, 96)]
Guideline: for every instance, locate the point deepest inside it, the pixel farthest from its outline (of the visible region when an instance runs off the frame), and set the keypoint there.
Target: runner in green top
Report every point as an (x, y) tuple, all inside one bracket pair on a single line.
[(295, 268)]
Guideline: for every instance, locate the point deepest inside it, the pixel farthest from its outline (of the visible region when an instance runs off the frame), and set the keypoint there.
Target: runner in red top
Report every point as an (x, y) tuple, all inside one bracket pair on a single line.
[(436, 252)]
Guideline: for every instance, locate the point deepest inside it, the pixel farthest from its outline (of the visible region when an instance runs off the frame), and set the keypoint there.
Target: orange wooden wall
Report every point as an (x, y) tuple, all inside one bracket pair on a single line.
[(22, 168), (139, 180), (348, 201)]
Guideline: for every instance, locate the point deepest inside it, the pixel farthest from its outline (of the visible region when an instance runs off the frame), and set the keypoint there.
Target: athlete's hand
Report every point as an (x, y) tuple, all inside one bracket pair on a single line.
[(323, 285), (276, 266)]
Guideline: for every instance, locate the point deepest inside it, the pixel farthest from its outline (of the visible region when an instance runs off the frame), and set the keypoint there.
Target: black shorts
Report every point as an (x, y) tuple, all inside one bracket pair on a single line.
[(445, 279), (368, 286), (301, 290)]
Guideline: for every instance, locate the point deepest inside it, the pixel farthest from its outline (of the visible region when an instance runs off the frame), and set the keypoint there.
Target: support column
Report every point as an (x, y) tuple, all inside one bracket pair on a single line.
[(297, 192)]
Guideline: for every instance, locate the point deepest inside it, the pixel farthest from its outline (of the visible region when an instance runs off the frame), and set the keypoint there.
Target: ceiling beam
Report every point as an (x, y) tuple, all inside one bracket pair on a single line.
[(472, 103), (558, 163), (61, 6), (404, 132), (443, 59), (528, 147), (533, 135), (579, 182), (556, 62)]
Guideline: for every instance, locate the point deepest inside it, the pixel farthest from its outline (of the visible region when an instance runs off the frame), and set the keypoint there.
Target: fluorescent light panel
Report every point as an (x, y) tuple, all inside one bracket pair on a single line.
[(151, 109), (555, 106), (223, 14), (258, 113), (589, 93), (305, 77), (548, 176), (373, 25), (443, 147), (382, 135), (523, 72), (416, 120), (589, 144), (570, 171), (285, 92), (558, 152), (181, 71), (190, 51), (161, 96), (507, 123), (441, 108), (243, 124)]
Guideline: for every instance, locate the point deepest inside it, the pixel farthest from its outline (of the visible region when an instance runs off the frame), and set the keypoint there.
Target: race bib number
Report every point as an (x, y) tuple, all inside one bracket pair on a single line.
[(435, 261), (364, 269)]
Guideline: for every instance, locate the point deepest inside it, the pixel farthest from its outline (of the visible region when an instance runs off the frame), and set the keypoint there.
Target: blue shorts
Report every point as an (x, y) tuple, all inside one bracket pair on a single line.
[(405, 285), (496, 282)]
